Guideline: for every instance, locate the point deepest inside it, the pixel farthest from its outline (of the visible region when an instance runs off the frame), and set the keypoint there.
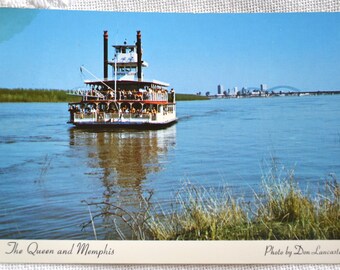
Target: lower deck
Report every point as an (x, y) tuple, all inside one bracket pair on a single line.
[(94, 115)]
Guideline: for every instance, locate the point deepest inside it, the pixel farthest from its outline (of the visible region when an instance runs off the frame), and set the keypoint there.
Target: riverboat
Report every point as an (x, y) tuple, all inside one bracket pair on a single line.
[(125, 100)]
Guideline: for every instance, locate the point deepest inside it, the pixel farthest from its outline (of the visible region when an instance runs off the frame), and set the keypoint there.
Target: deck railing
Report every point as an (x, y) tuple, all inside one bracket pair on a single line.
[(151, 96), (104, 117), (86, 93), (121, 95), (86, 116)]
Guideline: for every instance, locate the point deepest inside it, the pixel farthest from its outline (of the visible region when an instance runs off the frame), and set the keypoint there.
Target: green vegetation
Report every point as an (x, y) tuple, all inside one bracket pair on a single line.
[(281, 212), (35, 95), (47, 95), (188, 97)]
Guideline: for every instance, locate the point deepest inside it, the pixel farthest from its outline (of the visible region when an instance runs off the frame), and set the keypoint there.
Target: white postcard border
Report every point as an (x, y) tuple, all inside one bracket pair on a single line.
[(170, 252)]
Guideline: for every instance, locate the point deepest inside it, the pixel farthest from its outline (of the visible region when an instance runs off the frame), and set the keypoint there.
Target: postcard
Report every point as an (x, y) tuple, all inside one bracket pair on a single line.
[(169, 138)]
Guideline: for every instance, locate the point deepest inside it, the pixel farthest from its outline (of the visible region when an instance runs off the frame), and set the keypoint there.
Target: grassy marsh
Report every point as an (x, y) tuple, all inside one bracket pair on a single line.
[(36, 95), (280, 212)]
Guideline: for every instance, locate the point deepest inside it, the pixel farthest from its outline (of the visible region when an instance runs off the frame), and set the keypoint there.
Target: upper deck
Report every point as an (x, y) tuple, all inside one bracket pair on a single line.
[(127, 78)]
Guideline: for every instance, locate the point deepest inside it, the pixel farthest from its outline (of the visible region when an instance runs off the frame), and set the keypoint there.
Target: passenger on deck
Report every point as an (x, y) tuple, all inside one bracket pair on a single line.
[(122, 94), (110, 94), (129, 95), (154, 111), (120, 113), (93, 93), (172, 95)]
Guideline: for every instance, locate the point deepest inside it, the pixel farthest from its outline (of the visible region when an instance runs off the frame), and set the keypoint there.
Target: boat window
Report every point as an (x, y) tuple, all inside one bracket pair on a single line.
[(137, 106), (102, 107)]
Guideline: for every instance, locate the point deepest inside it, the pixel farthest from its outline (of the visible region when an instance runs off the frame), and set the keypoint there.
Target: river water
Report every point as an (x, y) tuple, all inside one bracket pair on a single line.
[(49, 170)]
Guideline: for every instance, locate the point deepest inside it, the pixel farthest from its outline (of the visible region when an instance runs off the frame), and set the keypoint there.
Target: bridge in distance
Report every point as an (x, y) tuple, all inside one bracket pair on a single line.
[(287, 89)]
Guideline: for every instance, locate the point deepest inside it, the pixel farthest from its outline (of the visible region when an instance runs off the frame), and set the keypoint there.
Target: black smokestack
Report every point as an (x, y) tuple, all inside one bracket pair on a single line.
[(106, 58), (139, 55)]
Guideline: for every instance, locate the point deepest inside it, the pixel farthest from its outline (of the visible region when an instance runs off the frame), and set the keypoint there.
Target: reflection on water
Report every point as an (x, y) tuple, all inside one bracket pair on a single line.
[(122, 160)]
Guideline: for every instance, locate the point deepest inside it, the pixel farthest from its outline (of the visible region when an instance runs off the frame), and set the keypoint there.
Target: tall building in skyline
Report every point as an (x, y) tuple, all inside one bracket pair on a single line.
[(220, 89), (264, 87)]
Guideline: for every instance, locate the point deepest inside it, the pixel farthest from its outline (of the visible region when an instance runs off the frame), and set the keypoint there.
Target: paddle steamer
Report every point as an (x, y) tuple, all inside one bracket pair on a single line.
[(125, 99)]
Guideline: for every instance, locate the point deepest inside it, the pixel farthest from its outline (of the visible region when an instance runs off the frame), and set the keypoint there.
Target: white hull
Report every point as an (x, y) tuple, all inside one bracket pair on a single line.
[(123, 119)]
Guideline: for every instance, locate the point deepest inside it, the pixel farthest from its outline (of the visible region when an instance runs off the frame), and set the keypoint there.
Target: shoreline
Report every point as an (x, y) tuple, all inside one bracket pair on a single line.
[(271, 95), (8, 95)]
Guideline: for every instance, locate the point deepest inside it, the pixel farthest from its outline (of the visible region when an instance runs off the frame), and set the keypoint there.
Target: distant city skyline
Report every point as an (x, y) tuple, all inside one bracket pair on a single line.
[(193, 52)]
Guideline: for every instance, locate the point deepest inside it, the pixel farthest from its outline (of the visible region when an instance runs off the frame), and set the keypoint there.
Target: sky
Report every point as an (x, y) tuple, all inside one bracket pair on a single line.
[(192, 52)]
